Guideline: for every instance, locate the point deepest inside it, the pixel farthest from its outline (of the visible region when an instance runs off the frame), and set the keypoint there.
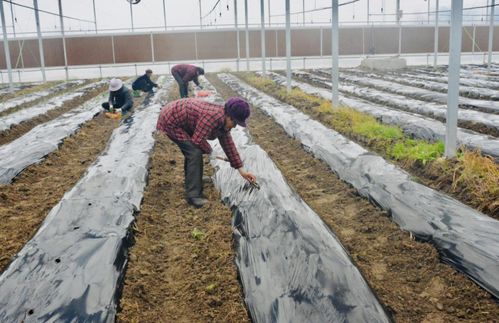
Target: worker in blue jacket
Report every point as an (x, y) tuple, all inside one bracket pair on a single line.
[(119, 97), (144, 83)]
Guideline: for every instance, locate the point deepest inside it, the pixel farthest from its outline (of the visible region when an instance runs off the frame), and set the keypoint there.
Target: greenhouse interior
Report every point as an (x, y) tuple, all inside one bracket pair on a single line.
[(249, 161)]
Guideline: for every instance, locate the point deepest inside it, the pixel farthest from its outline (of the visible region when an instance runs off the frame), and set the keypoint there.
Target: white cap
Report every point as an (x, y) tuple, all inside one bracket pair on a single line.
[(115, 85)]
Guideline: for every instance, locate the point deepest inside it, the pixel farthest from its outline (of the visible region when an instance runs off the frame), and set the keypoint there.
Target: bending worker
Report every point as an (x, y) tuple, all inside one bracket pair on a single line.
[(119, 97), (189, 123), (143, 83), (185, 73)]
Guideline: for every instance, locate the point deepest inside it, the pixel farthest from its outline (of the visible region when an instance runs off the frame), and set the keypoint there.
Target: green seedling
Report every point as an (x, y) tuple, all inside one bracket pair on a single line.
[(197, 234), (210, 289)]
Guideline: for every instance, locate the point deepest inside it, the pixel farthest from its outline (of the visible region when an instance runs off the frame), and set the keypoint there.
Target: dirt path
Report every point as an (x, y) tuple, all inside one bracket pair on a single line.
[(172, 276), (39, 188), (406, 275), (22, 128)]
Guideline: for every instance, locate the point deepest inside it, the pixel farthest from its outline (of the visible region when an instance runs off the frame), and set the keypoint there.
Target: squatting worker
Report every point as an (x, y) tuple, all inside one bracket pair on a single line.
[(119, 97), (189, 123), (183, 74), (144, 83)]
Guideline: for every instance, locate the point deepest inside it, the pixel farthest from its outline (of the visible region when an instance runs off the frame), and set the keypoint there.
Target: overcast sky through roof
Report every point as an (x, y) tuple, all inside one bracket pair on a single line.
[(115, 14)]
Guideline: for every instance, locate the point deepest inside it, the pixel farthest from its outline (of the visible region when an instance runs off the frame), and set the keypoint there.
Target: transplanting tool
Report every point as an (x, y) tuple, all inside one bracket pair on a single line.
[(254, 184)]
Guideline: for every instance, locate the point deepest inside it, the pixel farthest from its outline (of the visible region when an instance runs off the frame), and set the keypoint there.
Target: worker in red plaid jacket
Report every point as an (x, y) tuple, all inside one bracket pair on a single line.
[(183, 74), (189, 123)]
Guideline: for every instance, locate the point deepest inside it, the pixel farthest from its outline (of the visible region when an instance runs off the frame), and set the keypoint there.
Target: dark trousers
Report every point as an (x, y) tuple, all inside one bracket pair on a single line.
[(143, 87), (183, 86), (193, 168)]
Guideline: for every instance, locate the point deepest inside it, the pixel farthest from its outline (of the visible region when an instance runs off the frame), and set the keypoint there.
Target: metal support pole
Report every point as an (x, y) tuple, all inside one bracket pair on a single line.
[(112, 48), (487, 11), (40, 42), (13, 21), (435, 45), (334, 52), (491, 33), (131, 15), (247, 34), (237, 36), (321, 35), (196, 45), (262, 34), (268, 9), (63, 40), (95, 17), (6, 46), (288, 47), (368, 12), (152, 48), (400, 27), (200, 16), (276, 43), (428, 12), (303, 7), (164, 13), (453, 82), (473, 41)]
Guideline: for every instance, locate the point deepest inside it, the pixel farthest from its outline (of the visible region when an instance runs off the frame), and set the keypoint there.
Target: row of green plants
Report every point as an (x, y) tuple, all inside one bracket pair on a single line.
[(470, 176)]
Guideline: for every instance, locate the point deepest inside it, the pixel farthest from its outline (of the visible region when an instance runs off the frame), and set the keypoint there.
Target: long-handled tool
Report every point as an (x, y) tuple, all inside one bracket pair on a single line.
[(254, 184)]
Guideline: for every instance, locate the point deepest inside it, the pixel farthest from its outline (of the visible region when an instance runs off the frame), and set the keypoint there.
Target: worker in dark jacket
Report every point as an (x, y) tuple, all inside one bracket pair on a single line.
[(119, 97), (183, 74), (189, 123), (144, 83)]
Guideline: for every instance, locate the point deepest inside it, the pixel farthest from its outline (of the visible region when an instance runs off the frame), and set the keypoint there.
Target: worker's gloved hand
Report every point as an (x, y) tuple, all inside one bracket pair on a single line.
[(247, 175), (118, 111), (111, 109)]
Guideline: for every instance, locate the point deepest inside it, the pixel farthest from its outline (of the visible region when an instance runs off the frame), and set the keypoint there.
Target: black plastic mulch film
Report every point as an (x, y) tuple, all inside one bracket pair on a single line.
[(14, 102), (415, 92), (17, 117), (468, 91), (292, 267), (412, 124), (33, 146), (72, 269), (466, 79), (401, 102), (465, 238)]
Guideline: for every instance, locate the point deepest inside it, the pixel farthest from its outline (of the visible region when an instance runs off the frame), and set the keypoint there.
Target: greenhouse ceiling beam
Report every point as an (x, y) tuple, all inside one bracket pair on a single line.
[(453, 82), (334, 53), (6, 46)]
